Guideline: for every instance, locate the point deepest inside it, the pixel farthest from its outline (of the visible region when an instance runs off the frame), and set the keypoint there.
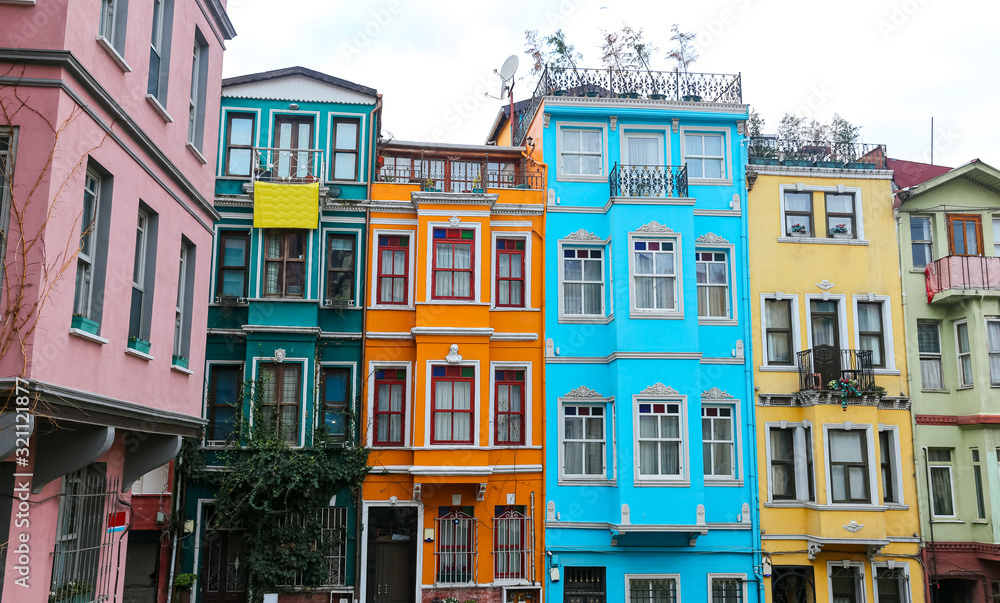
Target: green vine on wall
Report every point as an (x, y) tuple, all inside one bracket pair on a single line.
[(274, 493)]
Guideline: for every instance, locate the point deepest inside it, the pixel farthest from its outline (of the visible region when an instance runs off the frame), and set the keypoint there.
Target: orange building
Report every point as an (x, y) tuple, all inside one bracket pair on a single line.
[(453, 401)]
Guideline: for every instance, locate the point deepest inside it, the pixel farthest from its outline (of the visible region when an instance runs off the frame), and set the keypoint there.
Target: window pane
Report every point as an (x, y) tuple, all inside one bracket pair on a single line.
[(920, 229), (713, 145), (779, 313), (799, 202), (347, 136), (846, 446), (927, 338), (840, 204), (345, 166)]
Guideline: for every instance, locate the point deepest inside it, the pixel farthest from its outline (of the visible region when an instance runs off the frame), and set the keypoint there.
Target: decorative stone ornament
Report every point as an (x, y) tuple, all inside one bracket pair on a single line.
[(658, 389), (825, 285), (453, 356), (654, 226), (582, 235), (279, 355), (614, 122), (854, 526), (626, 515), (700, 515), (712, 238), (715, 394), (454, 221), (583, 392)]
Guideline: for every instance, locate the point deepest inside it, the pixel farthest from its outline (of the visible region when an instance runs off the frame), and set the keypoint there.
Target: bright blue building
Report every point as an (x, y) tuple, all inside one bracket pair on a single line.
[(650, 467), (287, 306)]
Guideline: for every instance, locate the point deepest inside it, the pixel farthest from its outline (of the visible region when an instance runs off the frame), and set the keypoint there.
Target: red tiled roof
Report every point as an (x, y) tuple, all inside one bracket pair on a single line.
[(912, 173)]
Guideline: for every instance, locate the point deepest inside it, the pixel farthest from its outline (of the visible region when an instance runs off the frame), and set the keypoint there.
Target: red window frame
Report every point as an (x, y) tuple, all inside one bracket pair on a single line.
[(454, 237), (508, 247), (389, 376), (393, 243), (453, 375), (506, 379)]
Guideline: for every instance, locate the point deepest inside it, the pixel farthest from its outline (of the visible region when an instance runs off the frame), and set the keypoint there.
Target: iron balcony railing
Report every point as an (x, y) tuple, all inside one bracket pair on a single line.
[(468, 179), (856, 155), (630, 83), (823, 364), (298, 166), (648, 181), (962, 273)]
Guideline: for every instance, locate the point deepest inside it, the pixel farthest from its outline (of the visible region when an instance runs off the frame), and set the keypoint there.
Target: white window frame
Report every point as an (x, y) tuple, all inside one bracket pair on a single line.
[(112, 29), (931, 356), (640, 313), (725, 576), (950, 465), (179, 318), (362, 131), (325, 275), (477, 263), (841, 301), (607, 307), (727, 160), (220, 163), (801, 463), (610, 441), (991, 352), (736, 479), (859, 220), (513, 234), (410, 267), (962, 384), (870, 462), (83, 303), (304, 378), (858, 566), (732, 317), (895, 464), (408, 414), (195, 93), (577, 126), (907, 597), (7, 158), (684, 478), (889, 351), (629, 577), (525, 403), (796, 332), (928, 242)]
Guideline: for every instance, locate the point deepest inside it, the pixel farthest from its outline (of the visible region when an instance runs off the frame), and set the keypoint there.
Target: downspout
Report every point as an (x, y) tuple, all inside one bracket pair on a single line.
[(375, 115), (758, 547), (173, 550)]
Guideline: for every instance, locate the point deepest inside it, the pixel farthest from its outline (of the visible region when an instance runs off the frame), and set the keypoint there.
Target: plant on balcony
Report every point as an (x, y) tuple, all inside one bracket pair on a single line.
[(138, 344), (846, 388), (429, 186), (684, 55), (477, 183), (179, 360), (79, 321)]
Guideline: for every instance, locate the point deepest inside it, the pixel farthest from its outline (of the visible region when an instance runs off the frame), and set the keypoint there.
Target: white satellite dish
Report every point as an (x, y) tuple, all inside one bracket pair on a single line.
[(509, 67)]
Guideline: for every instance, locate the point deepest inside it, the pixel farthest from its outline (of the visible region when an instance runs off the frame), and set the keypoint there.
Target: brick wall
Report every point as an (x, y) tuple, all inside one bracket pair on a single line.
[(463, 593)]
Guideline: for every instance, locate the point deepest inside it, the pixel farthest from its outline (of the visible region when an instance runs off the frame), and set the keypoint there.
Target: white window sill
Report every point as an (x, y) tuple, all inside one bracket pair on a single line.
[(88, 336), (181, 369), (892, 372), (391, 307), (918, 271), (710, 182), (936, 391), (568, 481), (451, 302), (662, 483), (640, 315), (586, 320), (726, 322), (778, 369), (111, 50), (728, 483), (961, 387), (160, 109), (822, 241), (981, 522), (22, 2), (945, 520), (138, 354), (282, 299), (197, 154), (891, 506), (505, 309)]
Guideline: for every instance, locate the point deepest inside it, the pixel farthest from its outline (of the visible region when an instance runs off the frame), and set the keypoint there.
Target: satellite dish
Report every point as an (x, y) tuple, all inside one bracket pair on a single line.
[(509, 67)]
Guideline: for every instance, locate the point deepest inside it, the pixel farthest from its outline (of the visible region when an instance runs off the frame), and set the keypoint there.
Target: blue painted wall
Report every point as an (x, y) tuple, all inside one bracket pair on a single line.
[(622, 353)]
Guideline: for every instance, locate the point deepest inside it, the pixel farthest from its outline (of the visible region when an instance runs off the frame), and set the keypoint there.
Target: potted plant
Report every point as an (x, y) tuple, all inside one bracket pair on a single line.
[(839, 231), (182, 586), (477, 184), (846, 388), (684, 55), (138, 344), (180, 361), (429, 186), (798, 230), (83, 323), (72, 592)]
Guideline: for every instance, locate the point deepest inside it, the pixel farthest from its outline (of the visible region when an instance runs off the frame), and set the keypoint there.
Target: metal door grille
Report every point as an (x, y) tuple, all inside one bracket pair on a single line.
[(91, 523), (793, 584), (585, 585), (512, 548)]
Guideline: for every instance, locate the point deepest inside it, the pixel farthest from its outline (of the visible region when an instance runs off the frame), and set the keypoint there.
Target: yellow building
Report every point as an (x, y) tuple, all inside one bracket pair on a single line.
[(454, 357), (835, 448)]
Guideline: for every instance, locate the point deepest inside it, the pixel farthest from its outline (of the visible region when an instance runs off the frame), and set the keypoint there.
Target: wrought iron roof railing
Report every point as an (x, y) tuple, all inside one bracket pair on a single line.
[(823, 153), (630, 83)]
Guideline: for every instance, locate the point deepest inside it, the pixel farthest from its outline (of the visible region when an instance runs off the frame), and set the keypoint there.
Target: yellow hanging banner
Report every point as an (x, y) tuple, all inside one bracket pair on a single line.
[(285, 205)]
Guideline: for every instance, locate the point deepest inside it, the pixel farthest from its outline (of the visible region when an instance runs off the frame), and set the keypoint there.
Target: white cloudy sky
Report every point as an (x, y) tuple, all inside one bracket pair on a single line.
[(888, 65)]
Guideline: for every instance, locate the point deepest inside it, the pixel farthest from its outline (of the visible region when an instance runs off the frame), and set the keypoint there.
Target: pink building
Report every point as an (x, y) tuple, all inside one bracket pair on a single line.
[(108, 129)]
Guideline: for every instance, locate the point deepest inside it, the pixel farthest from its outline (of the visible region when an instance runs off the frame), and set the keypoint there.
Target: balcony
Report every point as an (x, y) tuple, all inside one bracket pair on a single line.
[(956, 276), (824, 154), (457, 175), (292, 166), (642, 84), (823, 364), (660, 181)]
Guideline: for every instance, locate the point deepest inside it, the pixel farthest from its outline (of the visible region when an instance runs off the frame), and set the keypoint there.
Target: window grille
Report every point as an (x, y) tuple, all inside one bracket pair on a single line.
[(333, 543), (512, 546), (455, 548)]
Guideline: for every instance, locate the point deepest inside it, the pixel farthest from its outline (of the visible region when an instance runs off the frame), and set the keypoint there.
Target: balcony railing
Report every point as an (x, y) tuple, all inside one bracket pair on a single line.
[(470, 177), (823, 364), (962, 273), (630, 83), (648, 181), (294, 166), (854, 155)]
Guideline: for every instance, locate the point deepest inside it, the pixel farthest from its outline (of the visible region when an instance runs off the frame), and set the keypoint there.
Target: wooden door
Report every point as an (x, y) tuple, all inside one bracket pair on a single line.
[(392, 555), (224, 576), (826, 341)]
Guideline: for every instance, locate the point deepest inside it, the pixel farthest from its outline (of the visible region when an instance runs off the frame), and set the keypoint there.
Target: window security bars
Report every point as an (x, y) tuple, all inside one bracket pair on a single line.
[(512, 546), (455, 548), (333, 543)]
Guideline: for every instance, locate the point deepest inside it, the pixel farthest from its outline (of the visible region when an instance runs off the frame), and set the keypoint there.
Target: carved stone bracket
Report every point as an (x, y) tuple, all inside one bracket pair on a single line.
[(814, 549)]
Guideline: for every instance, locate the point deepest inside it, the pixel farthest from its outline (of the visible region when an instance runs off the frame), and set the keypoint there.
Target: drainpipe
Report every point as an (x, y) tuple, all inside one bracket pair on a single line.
[(173, 550)]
